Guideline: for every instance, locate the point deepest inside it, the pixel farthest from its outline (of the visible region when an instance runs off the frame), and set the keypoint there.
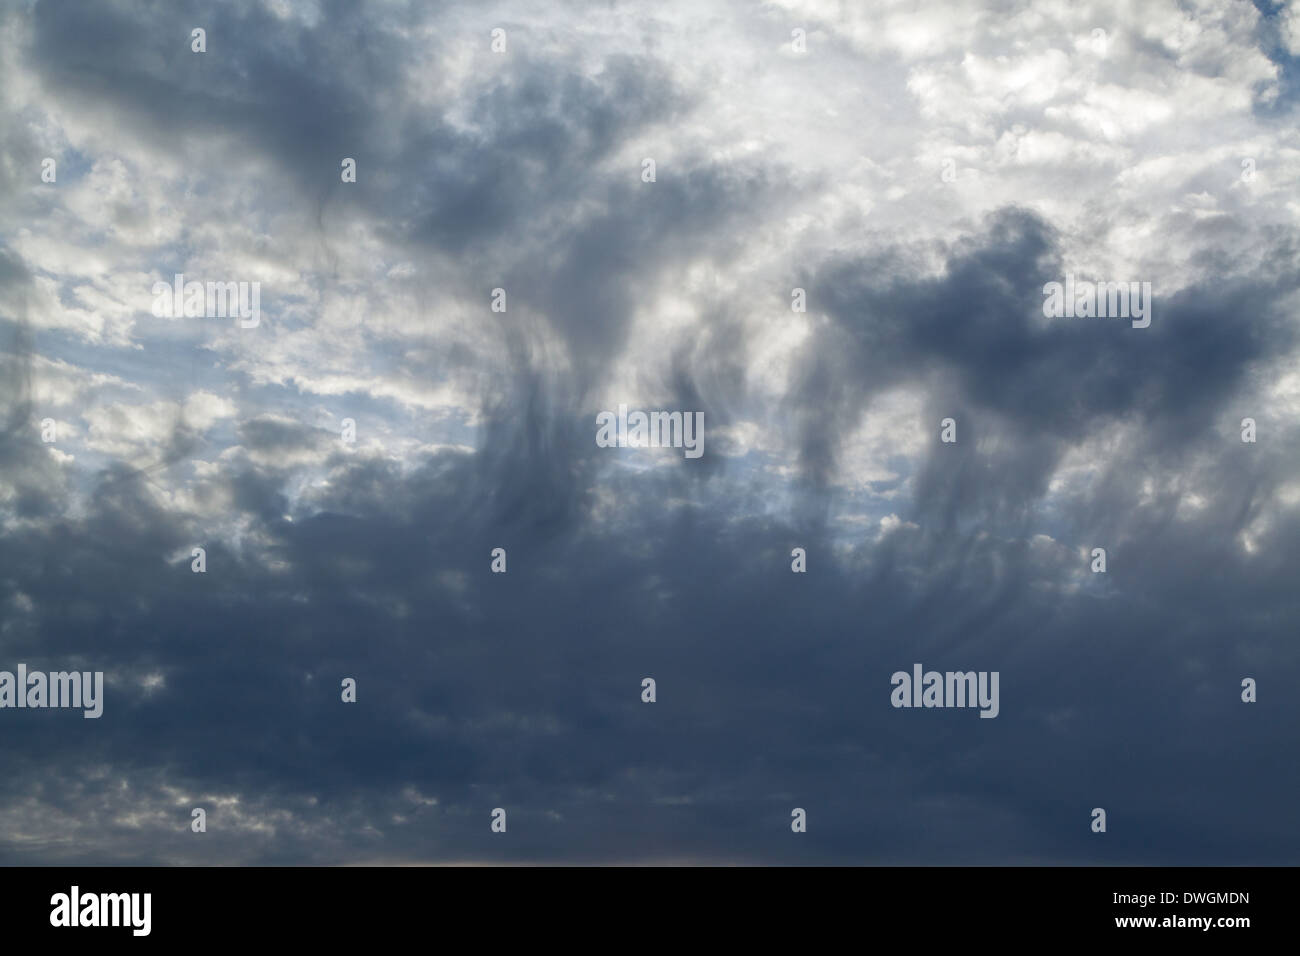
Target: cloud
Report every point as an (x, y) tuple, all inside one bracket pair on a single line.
[(825, 171)]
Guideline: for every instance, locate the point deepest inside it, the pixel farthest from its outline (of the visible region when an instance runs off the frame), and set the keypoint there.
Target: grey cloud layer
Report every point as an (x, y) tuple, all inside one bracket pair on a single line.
[(475, 431)]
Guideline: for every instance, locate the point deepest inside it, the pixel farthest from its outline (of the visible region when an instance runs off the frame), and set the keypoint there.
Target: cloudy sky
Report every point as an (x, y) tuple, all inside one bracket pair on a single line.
[(921, 170)]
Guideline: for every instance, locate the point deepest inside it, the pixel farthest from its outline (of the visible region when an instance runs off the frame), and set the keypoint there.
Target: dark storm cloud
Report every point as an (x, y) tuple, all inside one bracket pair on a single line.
[(304, 98), (537, 445), (268, 434), (521, 690), (1021, 389), (297, 94)]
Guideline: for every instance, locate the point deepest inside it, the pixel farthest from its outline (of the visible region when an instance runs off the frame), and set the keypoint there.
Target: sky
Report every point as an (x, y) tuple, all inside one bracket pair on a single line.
[(921, 171)]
